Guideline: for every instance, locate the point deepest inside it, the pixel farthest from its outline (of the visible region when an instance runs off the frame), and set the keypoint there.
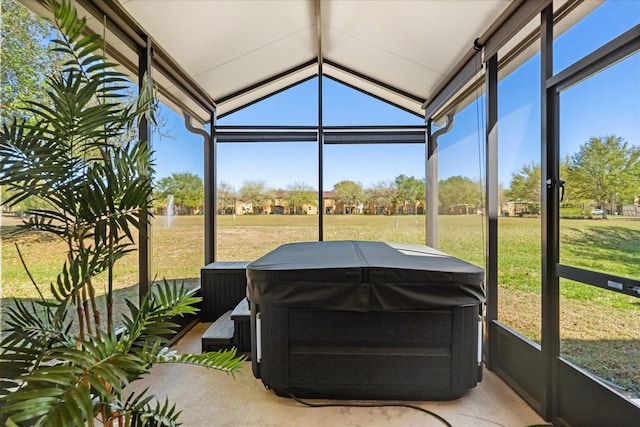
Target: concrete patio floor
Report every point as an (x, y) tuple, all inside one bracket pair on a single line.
[(213, 398)]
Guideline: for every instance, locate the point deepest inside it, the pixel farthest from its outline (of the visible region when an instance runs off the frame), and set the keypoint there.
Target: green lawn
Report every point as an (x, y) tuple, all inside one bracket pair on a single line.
[(600, 329)]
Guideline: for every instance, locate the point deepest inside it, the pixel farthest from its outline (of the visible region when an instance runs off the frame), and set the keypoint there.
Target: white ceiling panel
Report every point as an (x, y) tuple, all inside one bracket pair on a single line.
[(202, 35), (411, 45), (270, 61), (238, 51), (229, 45)]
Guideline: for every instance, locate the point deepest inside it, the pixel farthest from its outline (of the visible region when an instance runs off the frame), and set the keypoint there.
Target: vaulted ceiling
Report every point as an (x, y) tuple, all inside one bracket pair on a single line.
[(239, 51)]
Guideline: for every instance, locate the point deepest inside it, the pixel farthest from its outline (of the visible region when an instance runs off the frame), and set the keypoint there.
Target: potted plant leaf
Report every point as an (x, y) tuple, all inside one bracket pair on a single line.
[(62, 360)]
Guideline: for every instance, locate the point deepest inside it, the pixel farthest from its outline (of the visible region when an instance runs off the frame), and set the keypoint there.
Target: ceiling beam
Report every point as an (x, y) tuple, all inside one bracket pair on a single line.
[(375, 82), (319, 31), (265, 82)]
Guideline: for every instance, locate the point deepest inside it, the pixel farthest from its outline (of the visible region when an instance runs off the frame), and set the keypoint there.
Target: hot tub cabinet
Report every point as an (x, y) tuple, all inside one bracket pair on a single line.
[(365, 320)]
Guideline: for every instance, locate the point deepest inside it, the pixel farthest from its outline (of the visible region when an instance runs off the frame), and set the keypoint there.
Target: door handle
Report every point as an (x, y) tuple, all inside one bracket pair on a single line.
[(560, 185)]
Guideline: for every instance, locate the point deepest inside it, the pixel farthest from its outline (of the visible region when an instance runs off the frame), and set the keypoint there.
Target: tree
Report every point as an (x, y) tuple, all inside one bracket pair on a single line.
[(458, 191), (26, 60), (382, 196), (300, 194), (605, 170), (409, 190), (257, 193), (349, 193), (226, 196), (525, 184), (186, 188)]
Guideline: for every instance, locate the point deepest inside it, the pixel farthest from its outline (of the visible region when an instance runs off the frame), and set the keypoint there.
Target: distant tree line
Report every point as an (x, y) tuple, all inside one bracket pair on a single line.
[(604, 173), (385, 195)]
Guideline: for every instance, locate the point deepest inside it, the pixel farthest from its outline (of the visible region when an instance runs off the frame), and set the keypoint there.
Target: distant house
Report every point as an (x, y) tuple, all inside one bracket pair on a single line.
[(520, 208), (280, 205), (462, 209), (408, 208), (631, 210), (329, 202)]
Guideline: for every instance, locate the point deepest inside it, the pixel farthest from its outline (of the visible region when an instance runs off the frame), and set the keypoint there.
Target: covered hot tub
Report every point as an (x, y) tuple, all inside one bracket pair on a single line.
[(365, 320)]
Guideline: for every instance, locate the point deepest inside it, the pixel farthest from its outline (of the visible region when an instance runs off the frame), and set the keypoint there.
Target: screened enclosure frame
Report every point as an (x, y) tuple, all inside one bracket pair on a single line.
[(322, 136), (556, 389)]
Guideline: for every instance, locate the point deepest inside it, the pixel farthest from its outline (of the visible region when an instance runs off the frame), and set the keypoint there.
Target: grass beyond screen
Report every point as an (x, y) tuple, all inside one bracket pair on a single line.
[(178, 254)]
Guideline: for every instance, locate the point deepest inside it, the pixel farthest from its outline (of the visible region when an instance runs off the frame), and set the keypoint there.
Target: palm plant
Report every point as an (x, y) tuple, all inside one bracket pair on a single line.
[(73, 154)]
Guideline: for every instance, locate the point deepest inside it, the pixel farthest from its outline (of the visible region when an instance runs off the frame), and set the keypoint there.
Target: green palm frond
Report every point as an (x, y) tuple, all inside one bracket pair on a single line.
[(147, 101), (150, 323), (116, 189), (76, 116), (31, 331), (36, 323), (86, 263), (66, 18), (223, 360), (51, 221), (85, 51), (32, 165), (72, 384), (138, 411)]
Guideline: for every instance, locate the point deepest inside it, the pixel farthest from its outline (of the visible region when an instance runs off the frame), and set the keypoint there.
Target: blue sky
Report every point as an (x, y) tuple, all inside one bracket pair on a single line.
[(608, 103)]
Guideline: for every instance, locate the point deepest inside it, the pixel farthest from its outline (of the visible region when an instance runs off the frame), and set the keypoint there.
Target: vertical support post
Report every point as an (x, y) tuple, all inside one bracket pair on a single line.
[(431, 189), (145, 270), (210, 193), (550, 157), (491, 208), (318, 12), (432, 179), (320, 159)]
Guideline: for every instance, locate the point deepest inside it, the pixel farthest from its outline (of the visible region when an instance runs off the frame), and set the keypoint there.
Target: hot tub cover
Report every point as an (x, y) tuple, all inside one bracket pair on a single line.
[(363, 276)]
